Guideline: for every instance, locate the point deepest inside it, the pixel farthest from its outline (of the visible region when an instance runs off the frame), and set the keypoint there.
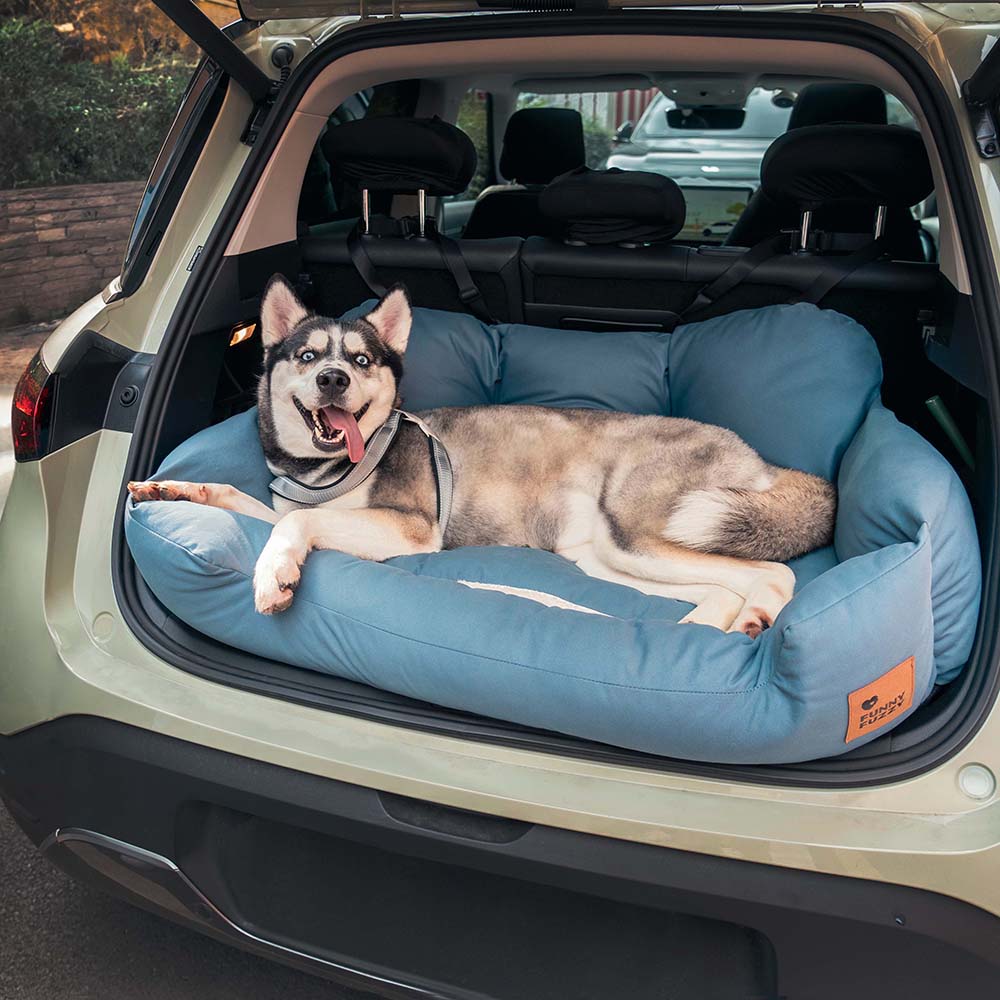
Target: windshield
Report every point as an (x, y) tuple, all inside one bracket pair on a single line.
[(764, 120)]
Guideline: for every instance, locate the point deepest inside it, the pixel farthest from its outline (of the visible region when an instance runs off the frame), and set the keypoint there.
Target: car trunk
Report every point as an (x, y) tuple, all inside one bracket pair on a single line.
[(206, 374)]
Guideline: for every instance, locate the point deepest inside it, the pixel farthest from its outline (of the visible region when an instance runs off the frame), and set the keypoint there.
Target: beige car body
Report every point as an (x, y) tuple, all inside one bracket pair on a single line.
[(67, 649)]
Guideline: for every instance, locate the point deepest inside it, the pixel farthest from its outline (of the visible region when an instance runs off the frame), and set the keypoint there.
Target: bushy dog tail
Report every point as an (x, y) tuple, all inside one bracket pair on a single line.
[(794, 515)]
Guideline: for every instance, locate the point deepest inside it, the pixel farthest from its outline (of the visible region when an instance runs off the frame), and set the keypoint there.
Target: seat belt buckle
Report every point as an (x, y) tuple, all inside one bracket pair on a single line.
[(795, 241)]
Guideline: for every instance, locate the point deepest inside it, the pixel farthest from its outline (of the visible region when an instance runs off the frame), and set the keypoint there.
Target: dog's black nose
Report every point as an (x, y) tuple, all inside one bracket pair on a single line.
[(333, 377)]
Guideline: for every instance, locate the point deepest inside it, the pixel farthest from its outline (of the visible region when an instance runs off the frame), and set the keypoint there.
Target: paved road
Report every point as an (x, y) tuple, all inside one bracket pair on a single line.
[(61, 941)]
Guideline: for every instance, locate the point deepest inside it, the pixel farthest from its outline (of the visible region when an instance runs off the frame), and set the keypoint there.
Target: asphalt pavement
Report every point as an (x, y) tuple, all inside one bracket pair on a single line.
[(62, 941)]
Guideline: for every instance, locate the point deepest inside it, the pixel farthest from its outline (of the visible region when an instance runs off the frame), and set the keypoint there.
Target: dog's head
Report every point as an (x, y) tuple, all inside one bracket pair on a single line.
[(327, 385)]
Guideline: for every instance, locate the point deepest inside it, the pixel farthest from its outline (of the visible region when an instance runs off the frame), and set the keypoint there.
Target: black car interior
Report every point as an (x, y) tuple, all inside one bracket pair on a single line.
[(539, 144), (768, 212), (610, 260)]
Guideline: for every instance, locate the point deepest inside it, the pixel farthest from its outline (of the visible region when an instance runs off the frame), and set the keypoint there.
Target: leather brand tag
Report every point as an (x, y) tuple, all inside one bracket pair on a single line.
[(872, 706)]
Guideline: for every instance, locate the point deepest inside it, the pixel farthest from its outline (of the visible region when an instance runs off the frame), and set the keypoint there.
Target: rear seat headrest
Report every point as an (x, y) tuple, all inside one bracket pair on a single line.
[(539, 144), (615, 206), (826, 103), (401, 155), (825, 164)]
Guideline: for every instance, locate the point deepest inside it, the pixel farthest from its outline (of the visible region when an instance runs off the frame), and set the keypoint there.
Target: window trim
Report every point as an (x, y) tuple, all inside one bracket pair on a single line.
[(196, 114)]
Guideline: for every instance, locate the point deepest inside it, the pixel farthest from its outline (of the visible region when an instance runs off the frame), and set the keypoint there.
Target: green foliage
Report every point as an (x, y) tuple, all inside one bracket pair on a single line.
[(472, 121), (66, 122), (136, 29), (597, 142)]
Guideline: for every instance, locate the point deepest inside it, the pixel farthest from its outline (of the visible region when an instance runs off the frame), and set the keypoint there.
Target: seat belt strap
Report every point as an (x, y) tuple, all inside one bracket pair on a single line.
[(834, 271), (468, 291), (363, 263), (839, 268), (451, 253), (736, 273)]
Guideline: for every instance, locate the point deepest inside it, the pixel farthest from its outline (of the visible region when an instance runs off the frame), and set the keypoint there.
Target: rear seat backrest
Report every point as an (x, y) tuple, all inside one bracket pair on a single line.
[(493, 264), (610, 221), (595, 282), (404, 156), (809, 168), (590, 283), (539, 144)]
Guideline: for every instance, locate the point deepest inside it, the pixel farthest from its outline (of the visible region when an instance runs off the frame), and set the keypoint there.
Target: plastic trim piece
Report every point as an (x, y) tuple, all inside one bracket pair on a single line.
[(162, 886)]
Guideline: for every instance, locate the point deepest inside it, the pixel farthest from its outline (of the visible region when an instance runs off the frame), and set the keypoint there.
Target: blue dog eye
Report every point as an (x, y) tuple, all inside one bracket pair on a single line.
[(307, 356), (361, 360)]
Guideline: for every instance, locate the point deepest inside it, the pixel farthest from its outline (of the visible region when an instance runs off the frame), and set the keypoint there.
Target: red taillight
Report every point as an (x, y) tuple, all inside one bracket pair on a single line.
[(31, 411)]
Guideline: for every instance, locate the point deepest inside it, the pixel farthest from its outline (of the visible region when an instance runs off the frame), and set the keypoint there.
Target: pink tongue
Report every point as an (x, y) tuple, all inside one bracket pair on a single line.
[(339, 419)]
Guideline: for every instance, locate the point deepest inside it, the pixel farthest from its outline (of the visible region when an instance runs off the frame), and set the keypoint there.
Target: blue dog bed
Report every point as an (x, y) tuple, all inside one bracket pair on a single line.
[(878, 618)]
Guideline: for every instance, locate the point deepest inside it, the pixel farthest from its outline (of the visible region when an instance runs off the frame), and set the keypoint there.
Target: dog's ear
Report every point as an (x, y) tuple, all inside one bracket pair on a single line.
[(280, 311), (392, 318)]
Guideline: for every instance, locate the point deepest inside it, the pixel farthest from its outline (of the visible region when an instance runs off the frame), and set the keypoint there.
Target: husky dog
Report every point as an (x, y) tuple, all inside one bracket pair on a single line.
[(671, 506)]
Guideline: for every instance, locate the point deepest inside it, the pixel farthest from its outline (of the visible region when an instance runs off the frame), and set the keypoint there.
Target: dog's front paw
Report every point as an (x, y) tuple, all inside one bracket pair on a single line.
[(274, 581), (168, 489)]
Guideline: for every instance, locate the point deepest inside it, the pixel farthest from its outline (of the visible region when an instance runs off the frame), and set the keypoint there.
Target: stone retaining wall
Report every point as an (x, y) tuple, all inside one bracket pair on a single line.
[(61, 245)]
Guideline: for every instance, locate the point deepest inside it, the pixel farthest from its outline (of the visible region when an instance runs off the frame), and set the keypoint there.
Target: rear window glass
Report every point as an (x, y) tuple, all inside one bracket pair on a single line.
[(474, 120), (175, 160)]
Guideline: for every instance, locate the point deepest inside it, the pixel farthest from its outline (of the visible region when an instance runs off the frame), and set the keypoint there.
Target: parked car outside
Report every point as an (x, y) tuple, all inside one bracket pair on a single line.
[(704, 160), (729, 157)]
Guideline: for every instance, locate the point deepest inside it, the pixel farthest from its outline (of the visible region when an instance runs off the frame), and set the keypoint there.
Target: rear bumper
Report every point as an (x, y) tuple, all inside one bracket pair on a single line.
[(412, 899)]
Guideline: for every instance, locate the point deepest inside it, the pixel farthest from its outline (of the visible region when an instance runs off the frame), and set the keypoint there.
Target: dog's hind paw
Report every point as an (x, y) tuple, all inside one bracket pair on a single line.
[(770, 593), (751, 621), (168, 489), (274, 581)]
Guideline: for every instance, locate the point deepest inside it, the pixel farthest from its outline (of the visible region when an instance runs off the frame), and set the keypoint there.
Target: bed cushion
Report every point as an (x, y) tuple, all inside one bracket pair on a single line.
[(798, 382), (877, 620), (596, 371)]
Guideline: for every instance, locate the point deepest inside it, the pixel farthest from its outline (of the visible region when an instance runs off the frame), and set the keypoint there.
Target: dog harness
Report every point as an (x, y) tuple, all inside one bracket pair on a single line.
[(292, 489)]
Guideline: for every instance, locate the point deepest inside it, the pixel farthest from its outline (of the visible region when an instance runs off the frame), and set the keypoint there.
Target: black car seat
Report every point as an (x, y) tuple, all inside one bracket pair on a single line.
[(610, 263), (539, 144), (825, 104), (375, 159), (615, 261), (624, 207), (617, 268)]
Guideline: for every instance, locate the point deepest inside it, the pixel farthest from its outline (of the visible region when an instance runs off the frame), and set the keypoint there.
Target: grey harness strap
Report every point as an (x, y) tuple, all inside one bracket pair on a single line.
[(292, 489)]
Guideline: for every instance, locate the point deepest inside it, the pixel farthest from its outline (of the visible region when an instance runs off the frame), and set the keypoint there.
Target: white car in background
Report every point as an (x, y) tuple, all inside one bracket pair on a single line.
[(714, 153)]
